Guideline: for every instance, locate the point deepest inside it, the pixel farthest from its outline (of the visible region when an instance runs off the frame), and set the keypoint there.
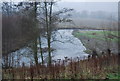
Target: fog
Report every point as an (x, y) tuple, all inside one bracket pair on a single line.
[(92, 14), (91, 6)]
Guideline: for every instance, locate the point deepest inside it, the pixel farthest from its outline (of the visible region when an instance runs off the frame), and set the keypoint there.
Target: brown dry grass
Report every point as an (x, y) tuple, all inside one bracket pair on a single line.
[(91, 68)]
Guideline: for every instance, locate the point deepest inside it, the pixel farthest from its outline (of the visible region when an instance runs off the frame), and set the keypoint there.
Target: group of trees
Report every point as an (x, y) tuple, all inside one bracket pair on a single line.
[(26, 22), (17, 28), (96, 15)]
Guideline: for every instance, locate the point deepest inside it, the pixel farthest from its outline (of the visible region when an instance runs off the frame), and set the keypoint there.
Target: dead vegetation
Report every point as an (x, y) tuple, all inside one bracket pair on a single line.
[(91, 68)]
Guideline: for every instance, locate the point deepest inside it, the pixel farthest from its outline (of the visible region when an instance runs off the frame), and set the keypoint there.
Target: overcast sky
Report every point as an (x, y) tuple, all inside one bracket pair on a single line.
[(90, 0), (91, 6), (72, 0)]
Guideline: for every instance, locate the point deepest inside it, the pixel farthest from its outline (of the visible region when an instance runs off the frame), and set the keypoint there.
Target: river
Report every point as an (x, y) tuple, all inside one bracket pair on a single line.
[(65, 45)]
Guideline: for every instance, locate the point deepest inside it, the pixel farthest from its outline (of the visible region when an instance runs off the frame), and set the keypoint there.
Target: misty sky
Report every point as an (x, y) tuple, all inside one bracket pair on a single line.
[(70, 0), (90, 0), (90, 6)]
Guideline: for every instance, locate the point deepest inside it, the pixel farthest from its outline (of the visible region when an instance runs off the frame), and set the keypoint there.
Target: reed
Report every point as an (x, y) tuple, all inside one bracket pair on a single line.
[(69, 68)]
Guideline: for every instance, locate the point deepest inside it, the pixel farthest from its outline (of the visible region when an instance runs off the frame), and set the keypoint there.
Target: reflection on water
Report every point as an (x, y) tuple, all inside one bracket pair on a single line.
[(65, 43), (68, 45)]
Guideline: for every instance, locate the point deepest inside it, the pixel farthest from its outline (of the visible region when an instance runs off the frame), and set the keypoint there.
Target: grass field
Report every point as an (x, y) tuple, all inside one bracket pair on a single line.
[(99, 40), (102, 35)]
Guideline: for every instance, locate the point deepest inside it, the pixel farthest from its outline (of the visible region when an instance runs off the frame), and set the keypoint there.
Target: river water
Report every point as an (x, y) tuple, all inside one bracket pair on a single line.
[(69, 46), (65, 45)]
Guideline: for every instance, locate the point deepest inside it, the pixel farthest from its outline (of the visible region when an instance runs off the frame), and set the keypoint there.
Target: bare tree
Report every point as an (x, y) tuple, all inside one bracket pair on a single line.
[(52, 19), (18, 26)]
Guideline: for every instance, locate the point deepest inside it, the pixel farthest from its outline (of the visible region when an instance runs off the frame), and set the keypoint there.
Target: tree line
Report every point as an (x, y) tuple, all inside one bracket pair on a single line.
[(25, 23)]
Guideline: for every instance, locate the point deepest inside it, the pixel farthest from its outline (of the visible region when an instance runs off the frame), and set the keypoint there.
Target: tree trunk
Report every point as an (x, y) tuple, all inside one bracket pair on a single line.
[(41, 49), (35, 52), (48, 34), (35, 41)]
